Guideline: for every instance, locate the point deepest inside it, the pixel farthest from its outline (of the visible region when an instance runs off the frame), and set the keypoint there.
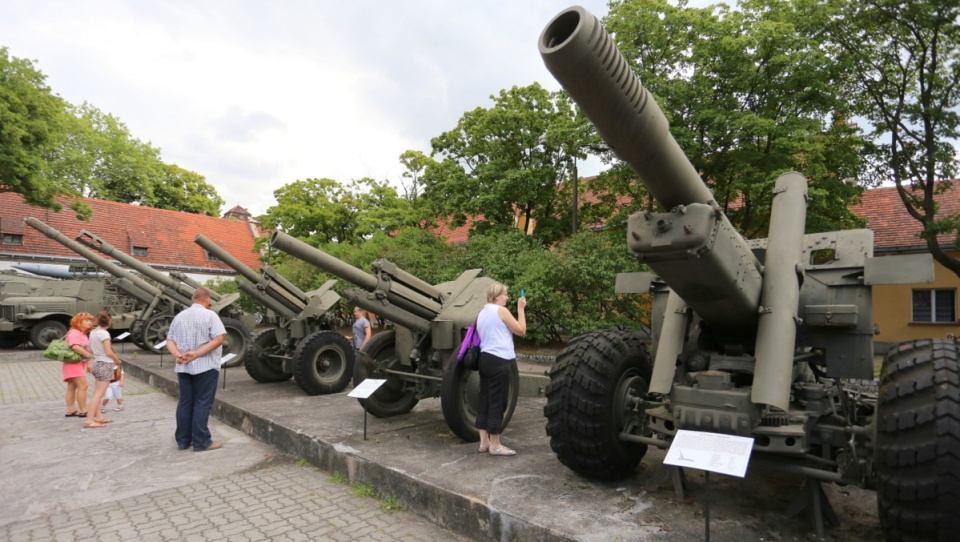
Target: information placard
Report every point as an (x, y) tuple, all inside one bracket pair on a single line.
[(715, 452), (160, 345), (366, 388), (227, 358), (122, 336)]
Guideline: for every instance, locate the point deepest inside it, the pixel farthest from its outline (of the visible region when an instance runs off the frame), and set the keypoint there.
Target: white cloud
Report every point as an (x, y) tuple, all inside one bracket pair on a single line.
[(254, 94)]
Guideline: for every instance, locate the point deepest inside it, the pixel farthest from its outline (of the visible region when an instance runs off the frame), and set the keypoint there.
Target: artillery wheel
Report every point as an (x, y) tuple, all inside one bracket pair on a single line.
[(390, 399), (45, 332), (918, 441), (237, 341), (588, 404), (460, 397), (263, 359), (155, 331), (323, 363)]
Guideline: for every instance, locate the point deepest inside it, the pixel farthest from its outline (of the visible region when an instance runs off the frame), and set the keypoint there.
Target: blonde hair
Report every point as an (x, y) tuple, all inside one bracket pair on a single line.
[(495, 290)]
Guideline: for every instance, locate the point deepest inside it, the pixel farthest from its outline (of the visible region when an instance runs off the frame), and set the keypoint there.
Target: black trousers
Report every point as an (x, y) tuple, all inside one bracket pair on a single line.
[(494, 388)]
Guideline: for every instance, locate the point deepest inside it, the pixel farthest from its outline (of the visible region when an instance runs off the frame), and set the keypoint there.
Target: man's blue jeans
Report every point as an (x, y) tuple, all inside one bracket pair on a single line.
[(193, 409)]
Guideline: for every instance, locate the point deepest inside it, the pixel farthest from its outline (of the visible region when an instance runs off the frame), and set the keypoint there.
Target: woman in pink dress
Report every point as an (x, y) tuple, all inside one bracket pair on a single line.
[(75, 374)]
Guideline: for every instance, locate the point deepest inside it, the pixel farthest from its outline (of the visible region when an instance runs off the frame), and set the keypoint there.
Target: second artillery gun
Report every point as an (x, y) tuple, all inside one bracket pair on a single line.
[(163, 301), (418, 357), (302, 341), (770, 339)]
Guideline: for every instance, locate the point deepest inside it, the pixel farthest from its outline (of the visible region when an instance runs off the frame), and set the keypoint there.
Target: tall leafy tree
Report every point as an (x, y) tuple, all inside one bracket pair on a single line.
[(749, 94), (508, 160), (183, 190), (905, 59)]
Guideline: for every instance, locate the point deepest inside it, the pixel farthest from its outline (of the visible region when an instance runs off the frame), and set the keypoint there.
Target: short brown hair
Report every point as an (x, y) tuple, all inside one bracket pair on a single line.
[(201, 294)]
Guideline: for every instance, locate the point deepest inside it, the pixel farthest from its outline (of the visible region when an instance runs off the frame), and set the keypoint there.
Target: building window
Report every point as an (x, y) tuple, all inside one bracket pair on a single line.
[(210, 257), (139, 251), (935, 306), (13, 239)]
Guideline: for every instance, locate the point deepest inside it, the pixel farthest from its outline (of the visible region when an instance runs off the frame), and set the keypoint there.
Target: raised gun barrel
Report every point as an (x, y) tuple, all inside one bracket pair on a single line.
[(694, 248), (130, 283)]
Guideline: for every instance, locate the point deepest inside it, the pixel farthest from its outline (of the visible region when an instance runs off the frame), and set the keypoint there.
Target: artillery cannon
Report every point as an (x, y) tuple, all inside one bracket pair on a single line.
[(418, 357), (303, 341), (161, 303), (768, 338)]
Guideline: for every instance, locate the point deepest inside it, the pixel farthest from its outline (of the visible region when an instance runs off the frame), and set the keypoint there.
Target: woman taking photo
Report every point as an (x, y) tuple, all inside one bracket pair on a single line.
[(496, 327), (75, 373), (105, 360)]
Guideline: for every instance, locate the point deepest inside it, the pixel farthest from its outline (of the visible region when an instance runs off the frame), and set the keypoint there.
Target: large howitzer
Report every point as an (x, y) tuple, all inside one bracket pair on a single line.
[(150, 326), (303, 341), (767, 339), (418, 357)]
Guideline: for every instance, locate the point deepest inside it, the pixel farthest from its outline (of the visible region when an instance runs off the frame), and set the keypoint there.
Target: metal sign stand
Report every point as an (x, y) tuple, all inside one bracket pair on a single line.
[(363, 391), (223, 369), (159, 346)]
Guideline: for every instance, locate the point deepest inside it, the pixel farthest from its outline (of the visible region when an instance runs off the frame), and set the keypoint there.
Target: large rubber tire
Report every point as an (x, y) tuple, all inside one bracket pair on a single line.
[(323, 363), (264, 358), (155, 332), (918, 441), (237, 341), (390, 399), (588, 404), (460, 396), (45, 332)]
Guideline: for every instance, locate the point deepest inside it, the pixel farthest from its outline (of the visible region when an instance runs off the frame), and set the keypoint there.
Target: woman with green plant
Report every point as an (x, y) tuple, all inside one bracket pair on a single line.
[(75, 373)]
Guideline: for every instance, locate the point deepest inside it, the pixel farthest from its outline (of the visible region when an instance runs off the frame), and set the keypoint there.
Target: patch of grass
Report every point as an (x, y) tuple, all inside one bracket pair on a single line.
[(338, 478), (363, 490), (391, 504), (303, 462)]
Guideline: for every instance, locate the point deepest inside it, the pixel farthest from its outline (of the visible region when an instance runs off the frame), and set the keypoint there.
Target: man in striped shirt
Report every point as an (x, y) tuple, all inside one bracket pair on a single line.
[(194, 340)]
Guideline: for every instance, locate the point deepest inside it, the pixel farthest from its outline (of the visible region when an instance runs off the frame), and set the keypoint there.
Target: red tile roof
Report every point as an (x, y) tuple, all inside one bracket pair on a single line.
[(893, 227), (167, 235)]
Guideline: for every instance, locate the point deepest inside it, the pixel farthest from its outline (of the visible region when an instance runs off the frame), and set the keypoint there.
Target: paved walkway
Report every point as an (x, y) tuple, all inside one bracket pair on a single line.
[(128, 481)]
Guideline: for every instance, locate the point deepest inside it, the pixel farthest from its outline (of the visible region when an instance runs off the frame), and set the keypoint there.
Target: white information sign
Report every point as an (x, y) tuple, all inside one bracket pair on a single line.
[(715, 452), (366, 388), (160, 345), (227, 358), (122, 336)]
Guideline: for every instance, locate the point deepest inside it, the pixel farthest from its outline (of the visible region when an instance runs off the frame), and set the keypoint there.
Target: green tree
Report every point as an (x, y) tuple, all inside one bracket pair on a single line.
[(905, 59), (508, 160), (32, 122), (183, 190), (749, 94)]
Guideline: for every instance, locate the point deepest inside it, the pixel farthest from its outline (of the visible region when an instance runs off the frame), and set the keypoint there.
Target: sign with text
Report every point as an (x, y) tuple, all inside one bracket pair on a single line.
[(366, 388), (715, 452)]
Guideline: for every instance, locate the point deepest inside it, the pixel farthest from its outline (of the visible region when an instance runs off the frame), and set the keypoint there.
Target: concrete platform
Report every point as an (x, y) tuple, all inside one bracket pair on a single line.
[(415, 459)]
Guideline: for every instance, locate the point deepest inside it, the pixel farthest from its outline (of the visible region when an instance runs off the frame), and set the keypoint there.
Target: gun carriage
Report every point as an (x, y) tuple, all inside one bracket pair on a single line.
[(302, 341), (769, 338)]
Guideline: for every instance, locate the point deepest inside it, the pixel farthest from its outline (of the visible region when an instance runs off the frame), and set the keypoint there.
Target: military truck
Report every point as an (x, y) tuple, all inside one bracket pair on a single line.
[(768, 339), (39, 310)]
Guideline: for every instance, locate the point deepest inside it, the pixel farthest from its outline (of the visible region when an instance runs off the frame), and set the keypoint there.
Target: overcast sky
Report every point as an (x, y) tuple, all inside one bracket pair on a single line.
[(254, 95)]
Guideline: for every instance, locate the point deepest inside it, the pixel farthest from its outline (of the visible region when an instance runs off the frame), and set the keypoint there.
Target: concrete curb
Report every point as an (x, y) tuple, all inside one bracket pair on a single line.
[(463, 514)]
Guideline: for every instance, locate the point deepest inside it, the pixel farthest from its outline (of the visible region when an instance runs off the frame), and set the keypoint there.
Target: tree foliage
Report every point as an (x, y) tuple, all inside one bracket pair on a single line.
[(749, 94), (904, 57)]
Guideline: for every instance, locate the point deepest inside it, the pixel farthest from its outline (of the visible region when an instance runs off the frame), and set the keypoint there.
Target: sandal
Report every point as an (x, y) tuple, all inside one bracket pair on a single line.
[(105, 420), (73, 414), (502, 450), (93, 425), (82, 415), (483, 449)]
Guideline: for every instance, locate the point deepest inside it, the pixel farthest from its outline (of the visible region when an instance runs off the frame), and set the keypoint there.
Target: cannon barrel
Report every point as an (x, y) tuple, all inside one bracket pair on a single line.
[(175, 289), (359, 298), (397, 293), (130, 283), (266, 300), (268, 282), (693, 247), (583, 57)]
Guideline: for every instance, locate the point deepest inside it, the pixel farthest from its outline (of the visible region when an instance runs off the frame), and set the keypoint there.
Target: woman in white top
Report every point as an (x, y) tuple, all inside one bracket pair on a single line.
[(496, 327), (105, 360)]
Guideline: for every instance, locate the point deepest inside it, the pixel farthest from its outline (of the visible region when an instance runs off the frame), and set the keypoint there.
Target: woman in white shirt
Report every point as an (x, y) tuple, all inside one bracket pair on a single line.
[(105, 360), (496, 327)]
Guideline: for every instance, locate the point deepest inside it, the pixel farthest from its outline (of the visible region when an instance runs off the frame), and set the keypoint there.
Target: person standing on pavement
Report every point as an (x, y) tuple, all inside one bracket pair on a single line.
[(195, 339), (105, 361), (361, 328), (75, 373), (496, 327)]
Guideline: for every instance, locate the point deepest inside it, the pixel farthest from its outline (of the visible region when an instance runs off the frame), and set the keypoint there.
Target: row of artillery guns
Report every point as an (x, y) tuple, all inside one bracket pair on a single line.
[(416, 357), (162, 295)]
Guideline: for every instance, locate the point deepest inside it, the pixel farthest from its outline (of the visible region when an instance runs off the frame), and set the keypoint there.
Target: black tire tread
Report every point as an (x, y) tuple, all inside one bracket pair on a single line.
[(327, 382), (260, 368)]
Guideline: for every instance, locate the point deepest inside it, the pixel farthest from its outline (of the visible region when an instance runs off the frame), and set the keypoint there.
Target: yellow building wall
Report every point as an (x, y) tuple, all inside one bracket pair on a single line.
[(893, 309)]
